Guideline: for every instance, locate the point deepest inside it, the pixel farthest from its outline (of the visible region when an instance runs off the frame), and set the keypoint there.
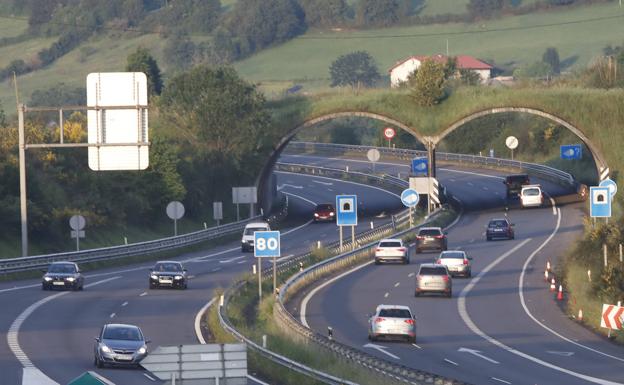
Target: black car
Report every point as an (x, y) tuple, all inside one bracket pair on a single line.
[(431, 238), (120, 345), (62, 275), (168, 274), (514, 184), (499, 228)]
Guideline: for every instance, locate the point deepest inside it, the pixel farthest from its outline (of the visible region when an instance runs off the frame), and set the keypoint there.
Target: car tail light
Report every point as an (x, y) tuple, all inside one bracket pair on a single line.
[(409, 321), (465, 261), (378, 249), (420, 237), (379, 319), (439, 236), (438, 261), (401, 249), (445, 278)]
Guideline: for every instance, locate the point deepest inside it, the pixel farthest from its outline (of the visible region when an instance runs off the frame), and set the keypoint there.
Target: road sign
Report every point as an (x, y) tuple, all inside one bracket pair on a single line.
[(175, 210), (420, 166), (346, 210), (600, 202), (373, 155), (77, 233), (266, 244), (611, 185), (77, 222), (511, 142), (410, 197), (611, 317), (217, 210), (117, 115), (571, 151), (389, 133), (244, 195)]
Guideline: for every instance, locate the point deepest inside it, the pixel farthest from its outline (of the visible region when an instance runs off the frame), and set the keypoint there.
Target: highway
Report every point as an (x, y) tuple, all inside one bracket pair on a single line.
[(501, 326)]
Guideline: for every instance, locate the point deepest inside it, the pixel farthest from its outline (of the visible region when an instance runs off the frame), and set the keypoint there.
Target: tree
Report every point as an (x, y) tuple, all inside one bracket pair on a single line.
[(428, 83), (179, 52), (484, 8), (59, 95), (381, 13), (142, 61), (355, 69), (325, 13), (551, 57), (469, 77)]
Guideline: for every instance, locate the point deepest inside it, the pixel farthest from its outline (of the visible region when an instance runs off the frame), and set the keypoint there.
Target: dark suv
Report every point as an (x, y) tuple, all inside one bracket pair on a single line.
[(499, 228), (514, 184), (430, 238)]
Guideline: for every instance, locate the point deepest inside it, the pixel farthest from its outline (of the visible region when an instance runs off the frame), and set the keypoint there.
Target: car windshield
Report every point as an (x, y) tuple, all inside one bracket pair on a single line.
[(518, 179), (251, 230), (454, 254), (430, 232), (395, 313), (498, 223), (122, 333), (62, 268), (175, 267), (324, 208), (432, 271), (531, 192), (390, 244)]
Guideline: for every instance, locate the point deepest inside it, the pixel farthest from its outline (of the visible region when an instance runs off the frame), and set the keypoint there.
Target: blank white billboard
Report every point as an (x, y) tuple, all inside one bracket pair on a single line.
[(117, 113)]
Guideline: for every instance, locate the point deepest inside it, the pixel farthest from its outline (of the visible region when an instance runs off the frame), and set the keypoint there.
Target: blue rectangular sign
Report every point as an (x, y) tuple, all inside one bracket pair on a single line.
[(420, 166), (571, 151), (600, 202), (266, 244), (346, 210)]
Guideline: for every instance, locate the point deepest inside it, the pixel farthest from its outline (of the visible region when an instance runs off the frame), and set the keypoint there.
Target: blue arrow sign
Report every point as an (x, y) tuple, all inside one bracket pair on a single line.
[(571, 151), (599, 202), (410, 197), (611, 185), (346, 210), (420, 166), (266, 244)]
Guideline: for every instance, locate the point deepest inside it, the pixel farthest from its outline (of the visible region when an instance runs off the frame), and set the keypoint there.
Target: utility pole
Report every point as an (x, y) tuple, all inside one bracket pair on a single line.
[(22, 179)]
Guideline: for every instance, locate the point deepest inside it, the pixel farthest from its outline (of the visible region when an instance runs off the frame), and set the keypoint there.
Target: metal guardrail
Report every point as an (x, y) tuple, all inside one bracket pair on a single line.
[(402, 153), (134, 249)]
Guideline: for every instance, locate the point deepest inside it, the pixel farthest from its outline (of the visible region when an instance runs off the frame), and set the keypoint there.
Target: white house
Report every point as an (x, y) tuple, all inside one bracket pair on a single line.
[(403, 69)]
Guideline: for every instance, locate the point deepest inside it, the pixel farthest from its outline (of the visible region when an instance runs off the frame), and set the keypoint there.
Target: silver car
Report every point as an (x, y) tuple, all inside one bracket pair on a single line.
[(392, 321), (457, 262), (391, 250), (120, 345), (433, 278)]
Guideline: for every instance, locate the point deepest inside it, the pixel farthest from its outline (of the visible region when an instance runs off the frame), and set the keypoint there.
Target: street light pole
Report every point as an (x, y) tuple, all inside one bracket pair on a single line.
[(22, 173)]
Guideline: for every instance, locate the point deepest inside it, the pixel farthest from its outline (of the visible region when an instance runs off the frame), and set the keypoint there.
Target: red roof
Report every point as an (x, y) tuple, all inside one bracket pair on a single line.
[(463, 62)]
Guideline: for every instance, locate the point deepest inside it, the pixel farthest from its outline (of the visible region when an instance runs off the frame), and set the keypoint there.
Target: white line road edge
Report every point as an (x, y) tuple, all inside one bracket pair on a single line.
[(32, 375), (461, 307), (345, 181)]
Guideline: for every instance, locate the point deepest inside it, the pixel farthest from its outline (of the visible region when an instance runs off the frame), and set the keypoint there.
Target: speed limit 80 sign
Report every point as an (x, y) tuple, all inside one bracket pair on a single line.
[(266, 244)]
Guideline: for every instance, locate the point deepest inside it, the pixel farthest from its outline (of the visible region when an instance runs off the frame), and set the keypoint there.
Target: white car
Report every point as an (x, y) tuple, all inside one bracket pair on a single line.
[(392, 321), (247, 242), (391, 250), (531, 196)]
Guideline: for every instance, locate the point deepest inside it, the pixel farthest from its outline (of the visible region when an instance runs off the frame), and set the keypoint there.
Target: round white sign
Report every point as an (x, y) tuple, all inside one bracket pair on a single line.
[(389, 132), (511, 142), (77, 222), (373, 155), (175, 210)]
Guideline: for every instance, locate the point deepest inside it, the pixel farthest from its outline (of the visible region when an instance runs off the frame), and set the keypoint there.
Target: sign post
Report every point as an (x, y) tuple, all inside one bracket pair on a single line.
[(512, 143), (266, 245), (373, 156), (77, 224), (389, 134), (346, 215), (175, 211), (217, 211), (410, 199)]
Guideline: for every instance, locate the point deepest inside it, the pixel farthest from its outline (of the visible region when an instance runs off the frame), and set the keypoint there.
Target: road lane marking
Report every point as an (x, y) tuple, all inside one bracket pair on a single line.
[(241, 262), (416, 346), (477, 353), (323, 183), (124, 304), (526, 308), (382, 349), (254, 379), (215, 270), (563, 354), (411, 275), (463, 312), (397, 284), (34, 376), (470, 184), (473, 173), (197, 323), (499, 380), (231, 259), (113, 315), (349, 182), (300, 197), (386, 295), (451, 362), (143, 294), (150, 377)]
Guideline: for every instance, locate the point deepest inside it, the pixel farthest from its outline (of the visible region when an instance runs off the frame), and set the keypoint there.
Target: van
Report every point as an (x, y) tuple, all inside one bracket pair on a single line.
[(514, 184), (531, 196), (247, 243)]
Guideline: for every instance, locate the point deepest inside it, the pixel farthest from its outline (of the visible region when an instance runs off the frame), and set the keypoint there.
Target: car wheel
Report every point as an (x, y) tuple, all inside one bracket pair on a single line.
[(411, 339), (450, 294), (98, 363), (44, 287), (406, 261), (185, 286), (416, 294), (469, 274), (513, 237), (76, 287), (377, 262), (488, 239), (152, 286)]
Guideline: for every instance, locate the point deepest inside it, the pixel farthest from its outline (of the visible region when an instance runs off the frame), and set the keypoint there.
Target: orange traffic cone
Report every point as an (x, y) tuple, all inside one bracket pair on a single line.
[(548, 265), (545, 275), (552, 284), (560, 293), (580, 315)]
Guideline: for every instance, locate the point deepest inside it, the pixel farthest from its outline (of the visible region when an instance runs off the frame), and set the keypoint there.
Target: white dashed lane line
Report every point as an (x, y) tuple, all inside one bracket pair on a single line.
[(451, 362), (143, 294), (124, 304)]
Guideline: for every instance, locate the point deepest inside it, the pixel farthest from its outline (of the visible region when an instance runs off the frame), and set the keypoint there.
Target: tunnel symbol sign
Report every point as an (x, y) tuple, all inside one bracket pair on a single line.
[(600, 202), (346, 214)]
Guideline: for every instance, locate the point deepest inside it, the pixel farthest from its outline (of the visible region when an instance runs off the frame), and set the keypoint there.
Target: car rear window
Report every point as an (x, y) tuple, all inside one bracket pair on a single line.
[(498, 224), (429, 232), (395, 313), (452, 255), (251, 230), (518, 179), (390, 244), (432, 271), (325, 207), (531, 192)]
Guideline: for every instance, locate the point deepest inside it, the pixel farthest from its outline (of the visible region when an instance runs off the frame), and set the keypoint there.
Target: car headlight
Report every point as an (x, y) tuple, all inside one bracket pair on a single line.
[(153, 276), (178, 277), (105, 349), (71, 279), (331, 214), (47, 279), (142, 350), (316, 214)]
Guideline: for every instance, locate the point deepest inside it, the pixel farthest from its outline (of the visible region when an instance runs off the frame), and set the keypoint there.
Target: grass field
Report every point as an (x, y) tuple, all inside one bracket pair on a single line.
[(307, 59)]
